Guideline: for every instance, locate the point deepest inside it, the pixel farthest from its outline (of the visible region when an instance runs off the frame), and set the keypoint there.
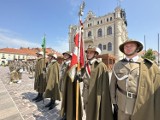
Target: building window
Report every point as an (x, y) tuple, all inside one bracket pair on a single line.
[(109, 46), (110, 18), (89, 19), (100, 32), (100, 46), (88, 25), (89, 34), (101, 21), (107, 20), (97, 22), (104, 47), (109, 30)]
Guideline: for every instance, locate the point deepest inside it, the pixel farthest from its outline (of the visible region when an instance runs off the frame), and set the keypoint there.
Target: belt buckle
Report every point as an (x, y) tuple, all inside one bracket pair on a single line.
[(130, 95)]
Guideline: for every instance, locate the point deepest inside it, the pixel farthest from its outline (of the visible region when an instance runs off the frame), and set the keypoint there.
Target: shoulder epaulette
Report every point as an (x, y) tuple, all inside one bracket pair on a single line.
[(98, 61), (148, 60)]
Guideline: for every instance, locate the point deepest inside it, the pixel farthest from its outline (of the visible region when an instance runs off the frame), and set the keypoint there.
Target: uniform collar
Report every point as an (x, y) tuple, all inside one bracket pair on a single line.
[(53, 61), (67, 62), (135, 59), (92, 61)]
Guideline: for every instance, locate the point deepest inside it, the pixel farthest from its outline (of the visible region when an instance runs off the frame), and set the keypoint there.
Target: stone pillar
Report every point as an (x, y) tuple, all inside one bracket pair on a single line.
[(120, 33), (72, 32)]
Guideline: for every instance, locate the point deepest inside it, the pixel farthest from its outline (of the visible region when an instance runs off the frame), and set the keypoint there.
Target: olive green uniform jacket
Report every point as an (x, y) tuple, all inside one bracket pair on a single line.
[(11, 67), (68, 106), (52, 90), (147, 105), (39, 83), (99, 102)]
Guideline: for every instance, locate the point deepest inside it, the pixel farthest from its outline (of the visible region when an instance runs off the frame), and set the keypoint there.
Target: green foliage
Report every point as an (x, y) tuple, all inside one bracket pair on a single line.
[(149, 55)]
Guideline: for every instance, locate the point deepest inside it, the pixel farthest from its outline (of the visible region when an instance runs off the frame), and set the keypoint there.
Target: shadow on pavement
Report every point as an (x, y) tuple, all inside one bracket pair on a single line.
[(40, 112)]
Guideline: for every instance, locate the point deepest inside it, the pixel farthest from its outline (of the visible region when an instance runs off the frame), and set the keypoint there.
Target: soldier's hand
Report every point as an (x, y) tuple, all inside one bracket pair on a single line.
[(115, 107), (77, 77)]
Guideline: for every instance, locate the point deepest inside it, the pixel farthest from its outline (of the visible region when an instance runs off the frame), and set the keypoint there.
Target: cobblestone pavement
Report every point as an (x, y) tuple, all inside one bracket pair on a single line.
[(16, 100)]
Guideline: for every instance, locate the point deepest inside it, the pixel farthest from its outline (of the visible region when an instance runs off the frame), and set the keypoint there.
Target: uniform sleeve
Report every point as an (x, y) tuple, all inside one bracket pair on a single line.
[(113, 88), (157, 94)]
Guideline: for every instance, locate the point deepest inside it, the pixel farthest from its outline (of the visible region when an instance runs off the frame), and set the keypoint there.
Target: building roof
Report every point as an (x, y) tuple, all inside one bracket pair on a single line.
[(27, 51), (12, 51)]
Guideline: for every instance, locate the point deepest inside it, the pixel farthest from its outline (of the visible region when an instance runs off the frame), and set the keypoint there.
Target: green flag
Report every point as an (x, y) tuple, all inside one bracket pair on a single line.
[(44, 43), (44, 46)]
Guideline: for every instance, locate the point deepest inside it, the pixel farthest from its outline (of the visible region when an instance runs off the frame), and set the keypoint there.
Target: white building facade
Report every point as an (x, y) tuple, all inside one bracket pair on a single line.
[(8, 54), (106, 32)]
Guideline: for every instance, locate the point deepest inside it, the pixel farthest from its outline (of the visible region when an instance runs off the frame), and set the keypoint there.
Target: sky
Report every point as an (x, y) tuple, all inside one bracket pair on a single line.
[(23, 23)]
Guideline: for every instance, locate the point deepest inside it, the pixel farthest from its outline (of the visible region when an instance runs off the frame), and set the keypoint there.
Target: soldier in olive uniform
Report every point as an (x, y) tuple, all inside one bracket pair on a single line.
[(135, 85), (15, 73), (52, 76), (66, 63), (96, 95), (11, 66), (68, 88), (40, 81), (31, 68), (20, 69), (14, 77)]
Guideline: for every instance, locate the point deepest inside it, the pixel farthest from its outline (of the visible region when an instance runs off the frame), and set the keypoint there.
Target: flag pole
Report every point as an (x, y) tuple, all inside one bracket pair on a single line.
[(158, 49), (78, 66), (145, 43)]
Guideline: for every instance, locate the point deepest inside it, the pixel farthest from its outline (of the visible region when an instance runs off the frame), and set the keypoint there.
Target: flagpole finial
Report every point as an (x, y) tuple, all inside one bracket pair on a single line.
[(81, 9)]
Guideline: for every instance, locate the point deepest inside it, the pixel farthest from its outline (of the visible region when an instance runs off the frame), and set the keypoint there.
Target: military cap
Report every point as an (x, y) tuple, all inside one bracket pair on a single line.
[(52, 55), (139, 45), (60, 57), (93, 48), (67, 52), (39, 53)]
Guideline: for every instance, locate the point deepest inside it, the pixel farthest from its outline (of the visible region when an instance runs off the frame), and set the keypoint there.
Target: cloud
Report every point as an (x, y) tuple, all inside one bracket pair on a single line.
[(60, 44), (9, 39)]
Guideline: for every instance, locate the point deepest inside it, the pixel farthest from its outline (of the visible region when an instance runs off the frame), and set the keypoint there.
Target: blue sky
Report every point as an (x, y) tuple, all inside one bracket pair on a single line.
[(24, 22)]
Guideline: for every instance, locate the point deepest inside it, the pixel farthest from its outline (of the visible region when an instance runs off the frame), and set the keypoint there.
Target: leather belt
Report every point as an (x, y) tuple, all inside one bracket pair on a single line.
[(128, 94)]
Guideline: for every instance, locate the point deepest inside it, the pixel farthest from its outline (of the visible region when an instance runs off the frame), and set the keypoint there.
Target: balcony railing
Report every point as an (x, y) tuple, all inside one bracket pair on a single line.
[(89, 39)]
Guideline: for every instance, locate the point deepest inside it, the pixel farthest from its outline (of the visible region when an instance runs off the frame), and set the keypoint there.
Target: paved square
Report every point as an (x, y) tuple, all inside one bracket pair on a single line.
[(16, 100)]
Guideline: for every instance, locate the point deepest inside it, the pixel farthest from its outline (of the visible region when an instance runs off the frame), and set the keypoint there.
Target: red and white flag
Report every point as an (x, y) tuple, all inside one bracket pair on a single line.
[(77, 61)]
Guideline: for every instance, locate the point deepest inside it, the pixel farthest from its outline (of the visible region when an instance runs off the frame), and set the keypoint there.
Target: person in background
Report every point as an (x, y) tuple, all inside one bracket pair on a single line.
[(40, 82), (52, 75)]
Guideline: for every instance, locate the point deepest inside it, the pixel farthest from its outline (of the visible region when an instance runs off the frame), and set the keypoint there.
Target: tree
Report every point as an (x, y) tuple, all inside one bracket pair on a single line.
[(149, 55)]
